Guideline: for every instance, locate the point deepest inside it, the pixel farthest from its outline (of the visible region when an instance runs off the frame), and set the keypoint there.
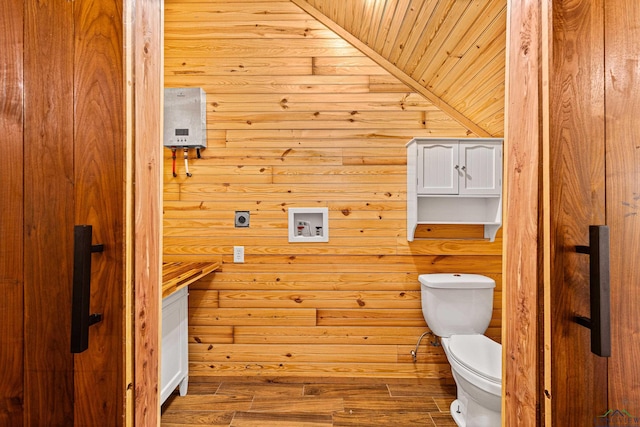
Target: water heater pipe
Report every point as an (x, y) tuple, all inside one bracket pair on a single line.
[(186, 161)]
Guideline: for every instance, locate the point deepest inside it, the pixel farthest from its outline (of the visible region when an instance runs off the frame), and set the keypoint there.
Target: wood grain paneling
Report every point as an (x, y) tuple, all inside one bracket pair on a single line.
[(447, 48), (143, 35), (99, 200), (329, 131), (49, 212), (62, 114), (11, 214), (523, 243), (577, 199), (623, 175)]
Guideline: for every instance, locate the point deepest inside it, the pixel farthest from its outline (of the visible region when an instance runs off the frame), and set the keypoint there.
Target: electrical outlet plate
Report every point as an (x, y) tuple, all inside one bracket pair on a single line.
[(242, 219), (238, 254)]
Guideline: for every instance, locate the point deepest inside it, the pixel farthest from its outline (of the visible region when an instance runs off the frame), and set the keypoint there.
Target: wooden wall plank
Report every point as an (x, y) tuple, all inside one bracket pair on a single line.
[(318, 120), (48, 223), (373, 136), (328, 101), (489, 44), (622, 100), (99, 170), (341, 65), (331, 370), (522, 231), (251, 48), (330, 334), (299, 28), (376, 15), (459, 45), (253, 316), (385, 47), (337, 246), (12, 213), (320, 299), (361, 31), (404, 30), (444, 33), (215, 66), (495, 83), (242, 11), (578, 378), (144, 65), (430, 17), (331, 133), (385, 23), (347, 280), (297, 353)]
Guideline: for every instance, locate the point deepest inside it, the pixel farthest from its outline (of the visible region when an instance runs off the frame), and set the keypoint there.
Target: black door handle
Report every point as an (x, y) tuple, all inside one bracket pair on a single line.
[(599, 288), (80, 317)]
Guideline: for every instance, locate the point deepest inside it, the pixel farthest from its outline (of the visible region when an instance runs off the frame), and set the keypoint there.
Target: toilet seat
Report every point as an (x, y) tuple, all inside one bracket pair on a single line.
[(479, 354)]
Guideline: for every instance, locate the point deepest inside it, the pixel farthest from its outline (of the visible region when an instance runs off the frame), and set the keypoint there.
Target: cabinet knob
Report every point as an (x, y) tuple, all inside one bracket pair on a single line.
[(456, 167), (464, 168)]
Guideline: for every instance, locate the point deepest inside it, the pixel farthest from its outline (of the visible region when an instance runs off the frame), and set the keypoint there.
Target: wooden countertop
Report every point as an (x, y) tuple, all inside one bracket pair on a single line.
[(177, 275)]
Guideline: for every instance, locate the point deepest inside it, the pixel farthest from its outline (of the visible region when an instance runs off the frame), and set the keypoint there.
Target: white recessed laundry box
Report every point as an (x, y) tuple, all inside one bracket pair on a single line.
[(308, 225)]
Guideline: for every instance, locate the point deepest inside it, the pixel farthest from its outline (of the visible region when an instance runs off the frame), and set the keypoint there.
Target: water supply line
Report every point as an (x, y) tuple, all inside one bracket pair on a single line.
[(186, 161), (435, 343), (173, 161)]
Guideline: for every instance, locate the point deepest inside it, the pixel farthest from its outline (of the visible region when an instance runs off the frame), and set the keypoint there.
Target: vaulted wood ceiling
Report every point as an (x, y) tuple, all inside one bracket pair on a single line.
[(451, 51)]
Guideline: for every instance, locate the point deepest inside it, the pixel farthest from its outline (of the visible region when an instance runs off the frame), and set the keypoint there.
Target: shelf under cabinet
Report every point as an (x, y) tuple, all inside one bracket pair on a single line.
[(455, 209)]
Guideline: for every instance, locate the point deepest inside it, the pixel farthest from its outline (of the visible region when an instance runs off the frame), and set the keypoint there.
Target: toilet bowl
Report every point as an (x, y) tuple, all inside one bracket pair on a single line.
[(458, 308), (477, 370)]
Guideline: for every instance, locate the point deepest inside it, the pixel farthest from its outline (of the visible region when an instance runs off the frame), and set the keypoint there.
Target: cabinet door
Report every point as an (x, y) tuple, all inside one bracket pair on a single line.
[(438, 169), (481, 168), (174, 358)]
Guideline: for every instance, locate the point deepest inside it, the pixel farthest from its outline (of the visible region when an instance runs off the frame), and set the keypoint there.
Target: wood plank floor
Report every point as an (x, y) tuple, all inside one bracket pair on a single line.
[(295, 402)]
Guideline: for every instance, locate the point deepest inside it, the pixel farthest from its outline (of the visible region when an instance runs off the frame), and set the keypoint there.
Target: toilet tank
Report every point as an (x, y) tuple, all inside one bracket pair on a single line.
[(456, 304)]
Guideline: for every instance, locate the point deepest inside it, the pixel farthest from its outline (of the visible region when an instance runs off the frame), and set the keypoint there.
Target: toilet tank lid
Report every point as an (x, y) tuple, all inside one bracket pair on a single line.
[(456, 281)]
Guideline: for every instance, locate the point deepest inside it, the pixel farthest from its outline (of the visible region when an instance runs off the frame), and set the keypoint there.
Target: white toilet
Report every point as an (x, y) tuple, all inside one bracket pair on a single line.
[(458, 308)]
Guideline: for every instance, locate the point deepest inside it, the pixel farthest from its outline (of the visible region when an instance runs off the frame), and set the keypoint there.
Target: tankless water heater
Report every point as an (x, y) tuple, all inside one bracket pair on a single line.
[(185, 118)]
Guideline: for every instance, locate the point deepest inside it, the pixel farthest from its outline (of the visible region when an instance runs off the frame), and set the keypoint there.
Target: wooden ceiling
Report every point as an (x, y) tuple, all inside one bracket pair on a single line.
[(451, 51)]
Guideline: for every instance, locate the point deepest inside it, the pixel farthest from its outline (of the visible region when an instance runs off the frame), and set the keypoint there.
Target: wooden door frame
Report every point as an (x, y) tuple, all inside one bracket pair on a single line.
[(525, 232), (523, 237), (524, 240), (523, 271), (143, 29)]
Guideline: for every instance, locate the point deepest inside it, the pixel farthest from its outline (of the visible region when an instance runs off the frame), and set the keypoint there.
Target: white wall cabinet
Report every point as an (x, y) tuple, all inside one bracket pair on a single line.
[(454, 181), (174, 362)]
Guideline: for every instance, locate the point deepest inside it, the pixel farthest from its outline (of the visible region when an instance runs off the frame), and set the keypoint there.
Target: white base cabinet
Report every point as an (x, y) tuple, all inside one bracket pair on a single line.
[(454, 181), (174, 363)]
